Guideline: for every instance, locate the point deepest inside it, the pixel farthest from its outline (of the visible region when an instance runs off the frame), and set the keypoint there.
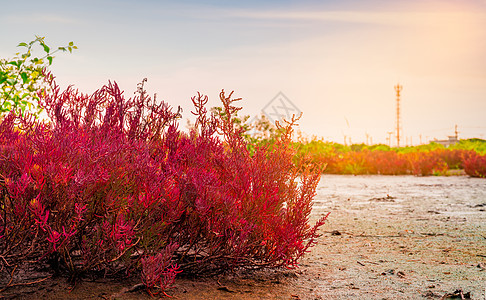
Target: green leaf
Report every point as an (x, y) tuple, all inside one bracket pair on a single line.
[(25, 77), (46, 48), (71, 44), (16, 99), (22, 45), (49, 58), (7, 105), (38, 61)]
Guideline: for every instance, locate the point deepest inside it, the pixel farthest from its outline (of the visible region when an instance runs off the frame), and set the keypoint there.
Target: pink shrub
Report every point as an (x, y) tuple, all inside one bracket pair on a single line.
[(112, 184), (426, 163), (158, 271), (475, 164)]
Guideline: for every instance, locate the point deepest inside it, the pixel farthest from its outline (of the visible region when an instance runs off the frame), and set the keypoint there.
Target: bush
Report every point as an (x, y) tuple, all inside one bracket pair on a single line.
[(112, 185), (424, 160), (426, 163), (475, 164), (388, 163)]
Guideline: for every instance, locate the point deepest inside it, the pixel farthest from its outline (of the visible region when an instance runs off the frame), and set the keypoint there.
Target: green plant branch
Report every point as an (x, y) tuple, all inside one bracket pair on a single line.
[(19, 94)]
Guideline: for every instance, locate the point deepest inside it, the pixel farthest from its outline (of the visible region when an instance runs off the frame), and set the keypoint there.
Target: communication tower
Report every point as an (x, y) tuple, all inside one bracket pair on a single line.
[(398, 89)]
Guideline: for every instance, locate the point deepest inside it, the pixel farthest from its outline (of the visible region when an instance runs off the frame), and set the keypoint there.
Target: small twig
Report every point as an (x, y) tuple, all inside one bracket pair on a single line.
[(11, 278), (225, 289), (125, 251), (136, 288), (26, 283), (378, 236), (5, 261), (166, 294)]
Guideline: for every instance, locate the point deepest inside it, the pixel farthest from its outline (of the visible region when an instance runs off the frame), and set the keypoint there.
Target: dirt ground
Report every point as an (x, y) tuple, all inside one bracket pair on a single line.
[(386, 238)]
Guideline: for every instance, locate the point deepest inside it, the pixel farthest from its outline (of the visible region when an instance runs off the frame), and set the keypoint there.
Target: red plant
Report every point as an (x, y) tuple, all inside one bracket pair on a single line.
[(452, 157), (158, 271), (475, 164), (112, 184), (389, 162), (426, 163)]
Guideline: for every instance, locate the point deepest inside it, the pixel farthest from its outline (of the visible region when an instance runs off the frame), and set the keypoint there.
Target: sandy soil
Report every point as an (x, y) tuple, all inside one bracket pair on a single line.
[(397, 237)]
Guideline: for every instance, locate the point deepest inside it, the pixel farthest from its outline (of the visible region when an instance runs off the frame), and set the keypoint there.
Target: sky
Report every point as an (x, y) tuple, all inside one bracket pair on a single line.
[(336, 61)]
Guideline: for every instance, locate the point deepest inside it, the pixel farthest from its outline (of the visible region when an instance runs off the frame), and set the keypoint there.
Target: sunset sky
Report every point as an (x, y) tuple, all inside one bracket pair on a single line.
[(337, 61)]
